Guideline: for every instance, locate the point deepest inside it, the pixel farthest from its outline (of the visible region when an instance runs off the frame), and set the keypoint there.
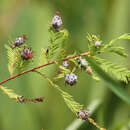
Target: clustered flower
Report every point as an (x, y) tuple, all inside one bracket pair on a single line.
[(83, 63), (27, 53), (65, 63), (57, 22), (19, 41), (83, 114), (71, 79)]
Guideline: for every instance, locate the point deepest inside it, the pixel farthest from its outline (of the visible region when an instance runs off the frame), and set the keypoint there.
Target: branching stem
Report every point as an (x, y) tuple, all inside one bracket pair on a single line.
[(41, 66)]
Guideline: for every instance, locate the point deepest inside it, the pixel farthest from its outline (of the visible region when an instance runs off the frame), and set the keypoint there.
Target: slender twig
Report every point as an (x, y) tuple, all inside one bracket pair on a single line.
[(41, 66)]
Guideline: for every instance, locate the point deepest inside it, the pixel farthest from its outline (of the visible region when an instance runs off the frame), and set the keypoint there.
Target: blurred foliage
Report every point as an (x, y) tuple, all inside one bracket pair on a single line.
[(107, 18)]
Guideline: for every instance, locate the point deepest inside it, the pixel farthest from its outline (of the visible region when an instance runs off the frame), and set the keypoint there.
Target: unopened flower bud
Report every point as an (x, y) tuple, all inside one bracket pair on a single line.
[(65, 63), (57, 22), (27, 53), (83, 63), (79, 59), (47, 51), (71, 79), (97, 43), (83, 114), (19, 41), (89, 70)]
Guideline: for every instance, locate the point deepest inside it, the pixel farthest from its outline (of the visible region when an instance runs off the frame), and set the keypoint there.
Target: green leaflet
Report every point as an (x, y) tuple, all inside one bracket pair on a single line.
[(55, 48), (9, 92), (119, 72), (43, 57), (70, 102), (112, 42), (113, 85), (63, 71), (12, 58), (57, 40), (73, 105), (95, 77), (117, 51), (111, 47)]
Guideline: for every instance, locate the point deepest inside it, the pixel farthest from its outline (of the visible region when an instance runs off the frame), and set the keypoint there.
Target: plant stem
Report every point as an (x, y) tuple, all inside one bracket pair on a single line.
[(41, 66)]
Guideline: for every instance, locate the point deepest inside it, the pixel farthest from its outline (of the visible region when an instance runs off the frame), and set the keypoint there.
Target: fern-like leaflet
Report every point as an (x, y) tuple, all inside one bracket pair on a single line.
[(70, 102), (15, 61), (119, 72), (55, 49), (111, 47), (10, 93)]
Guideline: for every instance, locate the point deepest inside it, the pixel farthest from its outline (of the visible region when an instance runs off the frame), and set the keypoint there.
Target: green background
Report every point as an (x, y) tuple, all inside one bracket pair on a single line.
[(107, 18)]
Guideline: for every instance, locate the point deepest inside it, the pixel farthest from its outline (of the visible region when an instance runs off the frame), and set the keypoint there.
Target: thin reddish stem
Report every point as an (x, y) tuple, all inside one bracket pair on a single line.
[(41, 66)]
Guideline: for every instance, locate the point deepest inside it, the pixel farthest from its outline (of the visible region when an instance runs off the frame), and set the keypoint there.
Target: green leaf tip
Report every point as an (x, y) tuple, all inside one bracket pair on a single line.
[(112, 42), (10, 93)]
